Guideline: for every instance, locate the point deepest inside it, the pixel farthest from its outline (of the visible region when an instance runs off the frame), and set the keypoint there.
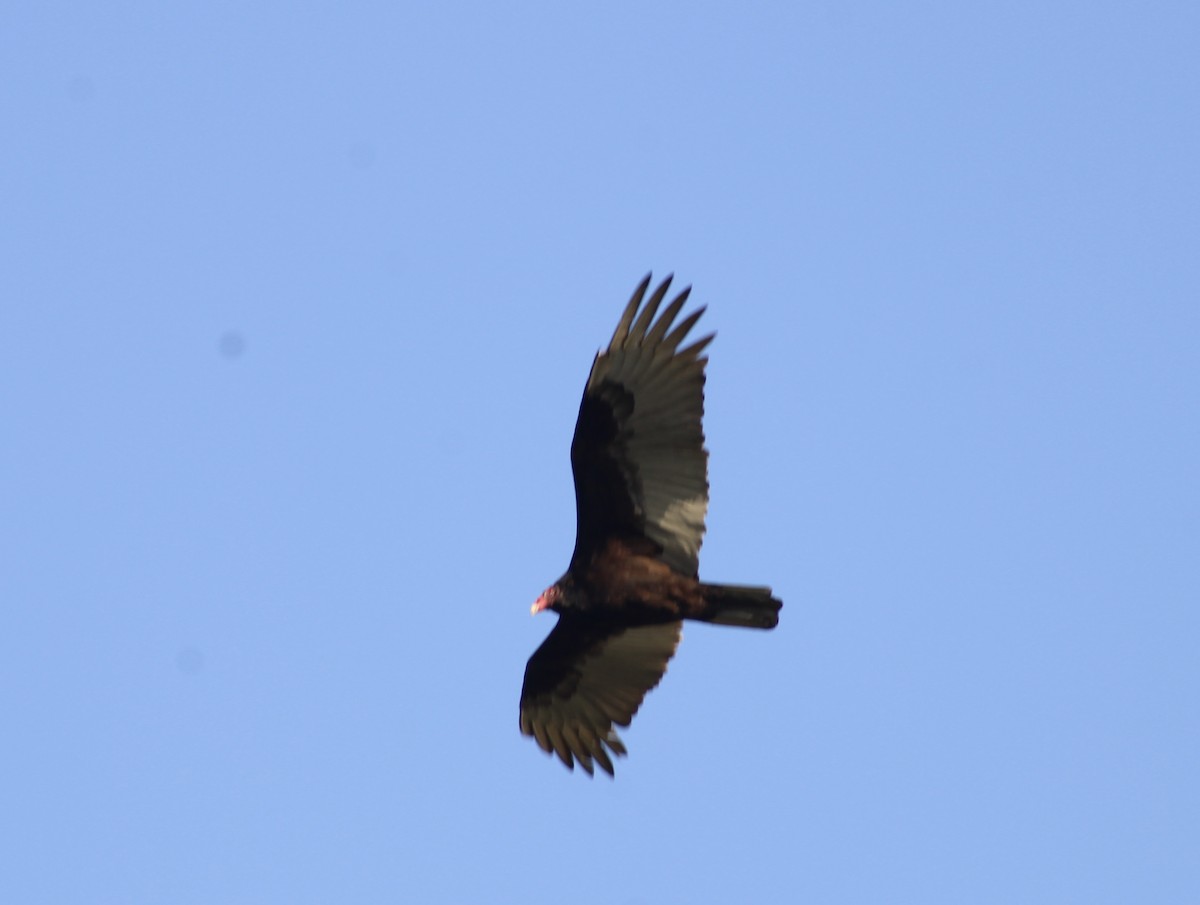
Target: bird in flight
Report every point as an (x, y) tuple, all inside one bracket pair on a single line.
[(641, 494)]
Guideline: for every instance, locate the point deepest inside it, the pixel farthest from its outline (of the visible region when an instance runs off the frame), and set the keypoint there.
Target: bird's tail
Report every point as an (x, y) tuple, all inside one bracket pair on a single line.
[(744, 605)]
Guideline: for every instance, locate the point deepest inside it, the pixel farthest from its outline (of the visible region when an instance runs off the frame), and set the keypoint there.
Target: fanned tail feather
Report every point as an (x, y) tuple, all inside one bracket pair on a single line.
[(744, 605)]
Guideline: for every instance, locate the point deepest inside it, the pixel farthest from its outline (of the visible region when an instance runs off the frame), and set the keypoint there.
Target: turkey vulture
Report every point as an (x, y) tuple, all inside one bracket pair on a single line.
[(641, 492)]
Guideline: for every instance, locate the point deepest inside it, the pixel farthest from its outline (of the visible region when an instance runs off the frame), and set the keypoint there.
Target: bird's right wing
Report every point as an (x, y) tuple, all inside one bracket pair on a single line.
[(638, 453), (585, 678)]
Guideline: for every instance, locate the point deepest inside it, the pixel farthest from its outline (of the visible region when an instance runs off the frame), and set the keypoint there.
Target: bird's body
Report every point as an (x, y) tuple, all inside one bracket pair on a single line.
[(641, 492)]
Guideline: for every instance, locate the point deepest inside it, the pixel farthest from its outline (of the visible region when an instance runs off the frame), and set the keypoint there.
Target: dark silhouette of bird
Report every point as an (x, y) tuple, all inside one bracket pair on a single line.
[(641, 494)]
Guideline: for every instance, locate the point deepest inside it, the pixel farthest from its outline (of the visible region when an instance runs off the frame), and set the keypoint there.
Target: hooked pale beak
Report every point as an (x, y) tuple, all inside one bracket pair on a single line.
[(542, 603)]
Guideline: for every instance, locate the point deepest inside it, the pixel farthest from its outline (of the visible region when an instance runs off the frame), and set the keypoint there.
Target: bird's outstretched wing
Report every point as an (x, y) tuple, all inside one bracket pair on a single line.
[(585, 678), (638, 453)]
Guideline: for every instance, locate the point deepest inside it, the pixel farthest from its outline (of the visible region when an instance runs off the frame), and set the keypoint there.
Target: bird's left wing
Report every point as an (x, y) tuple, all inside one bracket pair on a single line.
[(586, 677)]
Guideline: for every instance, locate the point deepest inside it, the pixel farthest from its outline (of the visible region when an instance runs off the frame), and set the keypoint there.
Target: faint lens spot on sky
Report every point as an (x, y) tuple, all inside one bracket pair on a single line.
[(232, 345), (362, 155), (81, 89), (189, 661)]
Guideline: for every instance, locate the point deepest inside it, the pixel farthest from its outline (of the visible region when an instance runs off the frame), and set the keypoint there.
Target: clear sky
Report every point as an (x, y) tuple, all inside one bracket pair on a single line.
[(296, 306)]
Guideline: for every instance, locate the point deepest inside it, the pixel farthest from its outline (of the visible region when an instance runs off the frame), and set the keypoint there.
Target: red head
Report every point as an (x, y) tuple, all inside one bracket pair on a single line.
[(547, 601)]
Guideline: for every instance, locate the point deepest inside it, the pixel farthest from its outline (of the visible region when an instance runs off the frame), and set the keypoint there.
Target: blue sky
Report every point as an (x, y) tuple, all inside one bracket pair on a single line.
[(296, 306)]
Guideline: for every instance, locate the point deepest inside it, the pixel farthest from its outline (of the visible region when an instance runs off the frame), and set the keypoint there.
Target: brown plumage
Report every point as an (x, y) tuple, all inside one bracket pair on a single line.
[(641, 494)]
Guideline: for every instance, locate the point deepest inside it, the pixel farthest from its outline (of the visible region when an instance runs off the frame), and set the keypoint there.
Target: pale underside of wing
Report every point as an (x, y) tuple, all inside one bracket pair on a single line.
[(582, 681), (659, 441)]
